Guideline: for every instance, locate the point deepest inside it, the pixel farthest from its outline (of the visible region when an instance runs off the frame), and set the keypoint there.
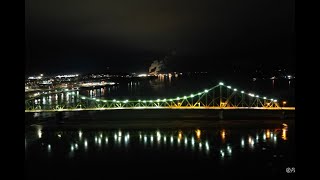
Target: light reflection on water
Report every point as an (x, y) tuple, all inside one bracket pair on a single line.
[(212, 143)]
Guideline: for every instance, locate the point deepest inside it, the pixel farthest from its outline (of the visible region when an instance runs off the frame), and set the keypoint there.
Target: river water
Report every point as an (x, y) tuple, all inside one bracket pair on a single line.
[(240, 150)]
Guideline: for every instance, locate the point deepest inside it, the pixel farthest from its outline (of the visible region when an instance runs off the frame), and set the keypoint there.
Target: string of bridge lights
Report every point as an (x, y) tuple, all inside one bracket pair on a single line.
[(174, 99)]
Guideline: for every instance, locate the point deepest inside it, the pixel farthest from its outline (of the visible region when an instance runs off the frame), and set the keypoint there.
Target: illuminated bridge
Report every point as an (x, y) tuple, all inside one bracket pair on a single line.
[(220, 96)]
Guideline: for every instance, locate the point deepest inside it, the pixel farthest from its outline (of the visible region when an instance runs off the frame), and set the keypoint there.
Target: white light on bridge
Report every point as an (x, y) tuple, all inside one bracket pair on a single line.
[(83, 98), (158, 100), (242, 92), (229, 87), (206, 91), (114, 100), (164, 100), (144, 101), (171, 99), (139, 100), (199, 94), (184, 97), (151, 101), (275, 100), (221, 83), (264, 97), (178, 98), (257, 95), (192, 95), (234, 89)]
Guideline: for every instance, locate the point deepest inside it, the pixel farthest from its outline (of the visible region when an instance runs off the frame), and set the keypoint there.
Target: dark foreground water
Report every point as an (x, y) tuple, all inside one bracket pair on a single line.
[(253, 148)]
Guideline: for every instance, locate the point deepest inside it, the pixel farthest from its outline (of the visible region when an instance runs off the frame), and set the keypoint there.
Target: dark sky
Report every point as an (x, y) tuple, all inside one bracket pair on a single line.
[(127, 35)]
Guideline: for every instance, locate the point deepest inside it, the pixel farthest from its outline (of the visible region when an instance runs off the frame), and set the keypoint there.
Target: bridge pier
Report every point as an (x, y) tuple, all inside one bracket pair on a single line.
[(220, 114)]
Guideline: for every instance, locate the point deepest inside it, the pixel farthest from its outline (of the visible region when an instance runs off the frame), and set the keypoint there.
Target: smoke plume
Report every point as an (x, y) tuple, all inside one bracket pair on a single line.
[(156, 67)]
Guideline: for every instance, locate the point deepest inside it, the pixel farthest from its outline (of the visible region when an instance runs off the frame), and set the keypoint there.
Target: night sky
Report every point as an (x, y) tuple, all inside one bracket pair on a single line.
[(128, 35)]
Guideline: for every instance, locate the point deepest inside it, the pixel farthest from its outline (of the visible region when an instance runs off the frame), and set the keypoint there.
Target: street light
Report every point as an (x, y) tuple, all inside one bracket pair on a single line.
[(284, 103)]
